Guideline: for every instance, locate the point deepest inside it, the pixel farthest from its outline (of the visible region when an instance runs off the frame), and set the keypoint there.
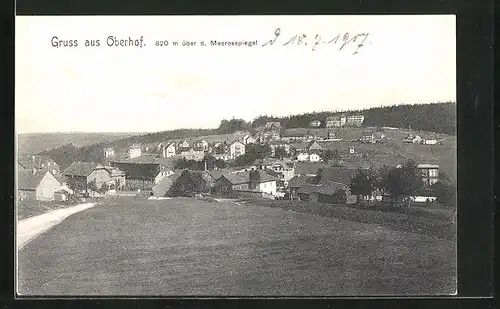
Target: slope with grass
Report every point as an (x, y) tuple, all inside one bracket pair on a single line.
[(132, 246)]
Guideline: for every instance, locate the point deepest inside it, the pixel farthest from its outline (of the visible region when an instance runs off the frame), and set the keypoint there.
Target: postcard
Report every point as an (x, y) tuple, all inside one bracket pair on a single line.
[(225, 156)]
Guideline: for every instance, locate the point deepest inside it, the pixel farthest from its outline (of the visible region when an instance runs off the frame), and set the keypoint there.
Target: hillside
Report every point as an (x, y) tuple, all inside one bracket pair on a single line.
[(433, 117), (37, 142)]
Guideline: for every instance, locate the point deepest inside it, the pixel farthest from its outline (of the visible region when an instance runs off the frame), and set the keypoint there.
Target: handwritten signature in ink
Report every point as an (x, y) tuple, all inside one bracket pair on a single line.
[(347, 39)]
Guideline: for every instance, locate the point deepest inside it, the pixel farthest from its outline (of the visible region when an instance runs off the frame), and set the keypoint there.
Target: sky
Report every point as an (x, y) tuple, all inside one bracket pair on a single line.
[(404, 59)]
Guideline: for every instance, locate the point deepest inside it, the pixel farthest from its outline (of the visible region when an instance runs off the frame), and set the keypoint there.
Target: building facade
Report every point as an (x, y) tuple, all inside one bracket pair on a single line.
[(430, 173), (236, 149), (135, 151), (356, 120)]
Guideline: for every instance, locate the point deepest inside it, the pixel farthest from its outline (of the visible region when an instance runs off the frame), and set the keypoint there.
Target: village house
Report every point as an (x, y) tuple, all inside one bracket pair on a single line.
[(203, 144), (169, 150), (372, 136), (314, 157), (247, 182), (194, 153), (324, 187), (144, 172), (296, 183), (429, 140), (183, 144), (38, 162), (413, 138), (313, 146), (430, 173), (315, 123), (236, 149), (87, 172), (331, 193), (135, 151), (293, 137), (284, 169), (118, 178), (355, 120), (38, 185), (332, 135), (302, 157), (248, 139), (333, 121), (279, 144), (109, 152), (309, 168)]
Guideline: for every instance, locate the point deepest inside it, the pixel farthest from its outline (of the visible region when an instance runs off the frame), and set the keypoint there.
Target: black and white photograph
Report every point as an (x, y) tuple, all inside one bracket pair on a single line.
[(234, 156)]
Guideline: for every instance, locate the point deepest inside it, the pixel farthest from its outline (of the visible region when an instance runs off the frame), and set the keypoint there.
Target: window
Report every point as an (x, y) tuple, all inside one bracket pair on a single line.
[(433, 173)]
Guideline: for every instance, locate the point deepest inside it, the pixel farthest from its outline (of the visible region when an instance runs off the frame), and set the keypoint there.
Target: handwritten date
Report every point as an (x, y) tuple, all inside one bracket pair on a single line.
[(343, 41)]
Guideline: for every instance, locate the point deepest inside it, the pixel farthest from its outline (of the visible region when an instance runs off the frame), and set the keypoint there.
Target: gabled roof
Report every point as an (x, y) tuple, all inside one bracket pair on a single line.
[(81, 169), (311, 143), (308, 168), (35, 161), (299, 181), (331, 188), (244, 177), (27, 180), (337, 174), (308, 189)]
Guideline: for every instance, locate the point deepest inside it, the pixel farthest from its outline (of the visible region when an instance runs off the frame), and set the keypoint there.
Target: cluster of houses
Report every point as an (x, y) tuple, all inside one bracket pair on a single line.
[(340, 121), (413, 138), (302, 174)]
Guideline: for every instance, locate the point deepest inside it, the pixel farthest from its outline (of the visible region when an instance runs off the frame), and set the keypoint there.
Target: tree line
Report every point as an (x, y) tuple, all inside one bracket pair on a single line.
[(433, 117), (400, 184)]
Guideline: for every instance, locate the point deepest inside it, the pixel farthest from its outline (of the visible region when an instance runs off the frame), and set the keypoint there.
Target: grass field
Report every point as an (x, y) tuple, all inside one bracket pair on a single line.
[(132, 246)]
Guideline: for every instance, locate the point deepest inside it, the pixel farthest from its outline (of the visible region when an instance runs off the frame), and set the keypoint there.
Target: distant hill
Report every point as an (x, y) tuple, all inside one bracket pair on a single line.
[(433, 117), (30, 143), (66, 148)]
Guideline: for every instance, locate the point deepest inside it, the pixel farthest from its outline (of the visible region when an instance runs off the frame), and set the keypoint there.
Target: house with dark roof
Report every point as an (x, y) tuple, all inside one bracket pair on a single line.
[(87, 172), (38, 162), (326, 192), (337, 174), (296, 183), (37, 185), (247, 181), (313, 146), (169, 150), (284, 169), (309, 168)]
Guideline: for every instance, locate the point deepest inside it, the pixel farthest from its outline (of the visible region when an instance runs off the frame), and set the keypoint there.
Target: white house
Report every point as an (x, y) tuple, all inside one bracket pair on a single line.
[(169, 150), (248, 139), (202, 144), (315, 123), (314, 157), (108, 152), (236, 149), (303, 157), (355, 119), (135, 151)]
